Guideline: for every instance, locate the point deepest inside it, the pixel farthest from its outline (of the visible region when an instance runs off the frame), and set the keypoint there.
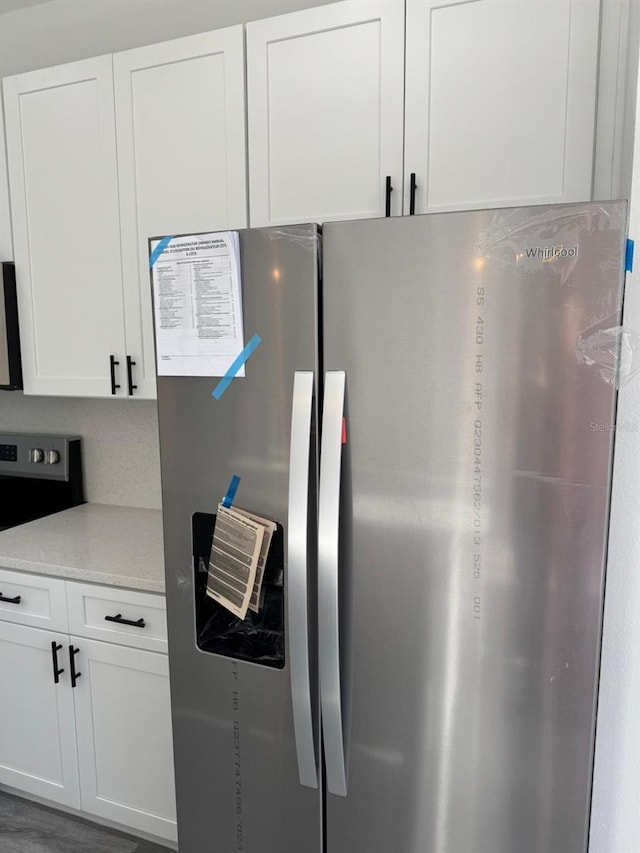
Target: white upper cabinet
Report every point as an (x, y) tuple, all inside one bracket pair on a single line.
[(6, 241), (64, 193), (180, 119), (495, 105), (104, 154), (356, 109), (325, 106), (500, 101)]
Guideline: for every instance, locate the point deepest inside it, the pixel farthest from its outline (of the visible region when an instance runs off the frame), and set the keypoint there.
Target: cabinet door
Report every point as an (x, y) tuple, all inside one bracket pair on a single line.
[(6, 242), (125, 748), (325, 102), (500, 101), (37, 724), (180, 110), (64, 195)]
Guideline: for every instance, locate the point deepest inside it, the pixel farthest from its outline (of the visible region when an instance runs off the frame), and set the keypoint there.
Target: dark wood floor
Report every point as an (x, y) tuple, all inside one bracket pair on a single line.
[(29, 828)]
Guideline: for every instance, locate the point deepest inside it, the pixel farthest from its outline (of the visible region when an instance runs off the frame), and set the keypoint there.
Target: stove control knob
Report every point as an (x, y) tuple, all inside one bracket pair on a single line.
[(51, 457), (36, 455)]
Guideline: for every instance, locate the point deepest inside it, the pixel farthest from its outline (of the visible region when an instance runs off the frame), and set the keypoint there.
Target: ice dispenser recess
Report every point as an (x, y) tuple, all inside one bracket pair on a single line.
[(259, 637)]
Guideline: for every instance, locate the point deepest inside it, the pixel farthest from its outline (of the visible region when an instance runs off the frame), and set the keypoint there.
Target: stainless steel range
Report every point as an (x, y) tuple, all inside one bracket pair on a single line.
[(39, 475)]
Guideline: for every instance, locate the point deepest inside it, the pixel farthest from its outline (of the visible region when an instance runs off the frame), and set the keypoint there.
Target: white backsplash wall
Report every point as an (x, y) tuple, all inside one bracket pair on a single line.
[(121, 455)]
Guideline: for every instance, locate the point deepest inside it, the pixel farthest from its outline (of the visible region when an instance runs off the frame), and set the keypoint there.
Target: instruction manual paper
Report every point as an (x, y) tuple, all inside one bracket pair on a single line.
[(197, 297), (235, 552), (269, 529)]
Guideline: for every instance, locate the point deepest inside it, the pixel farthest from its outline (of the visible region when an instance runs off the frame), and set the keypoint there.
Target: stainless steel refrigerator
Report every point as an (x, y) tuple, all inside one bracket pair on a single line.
[(430, 420)]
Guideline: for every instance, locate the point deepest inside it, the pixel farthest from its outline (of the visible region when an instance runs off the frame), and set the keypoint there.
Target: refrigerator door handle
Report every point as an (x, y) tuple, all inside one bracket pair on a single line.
[(328, 582), (297, 547)]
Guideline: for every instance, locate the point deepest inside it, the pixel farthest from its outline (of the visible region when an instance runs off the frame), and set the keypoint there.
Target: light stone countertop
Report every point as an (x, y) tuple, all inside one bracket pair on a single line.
[(96, 543)]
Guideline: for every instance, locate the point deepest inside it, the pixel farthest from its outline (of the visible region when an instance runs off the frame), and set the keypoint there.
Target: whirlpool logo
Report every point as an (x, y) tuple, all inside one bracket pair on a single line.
[(549, 254)]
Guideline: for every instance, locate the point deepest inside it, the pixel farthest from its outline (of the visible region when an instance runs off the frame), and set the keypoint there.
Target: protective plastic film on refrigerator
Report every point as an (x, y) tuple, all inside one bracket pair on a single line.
[(386, 455)]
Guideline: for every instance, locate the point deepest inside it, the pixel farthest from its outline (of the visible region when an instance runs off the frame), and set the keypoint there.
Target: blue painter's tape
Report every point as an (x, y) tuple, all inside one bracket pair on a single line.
[(628, 256), (159, 249), (229, 498), (246, 353)]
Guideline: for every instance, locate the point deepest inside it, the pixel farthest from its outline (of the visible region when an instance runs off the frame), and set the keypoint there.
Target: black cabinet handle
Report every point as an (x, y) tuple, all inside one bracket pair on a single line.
[(112, 364), (412, 197), (388, 191), (130, 365), (72, 666), (139, 623), (15, 600), (55, 648)]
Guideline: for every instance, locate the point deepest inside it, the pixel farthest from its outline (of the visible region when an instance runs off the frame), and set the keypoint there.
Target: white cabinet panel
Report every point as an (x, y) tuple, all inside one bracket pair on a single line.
[(105, 745), (325, 101), (37, 725), (33, 600), (6, 241), (94, 609), (63, 178), (500, 101), (180, 119), (124, 736)]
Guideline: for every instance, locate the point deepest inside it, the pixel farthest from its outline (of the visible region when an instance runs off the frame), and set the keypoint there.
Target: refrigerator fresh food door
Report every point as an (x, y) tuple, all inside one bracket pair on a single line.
[(461, 597), (242, 741)]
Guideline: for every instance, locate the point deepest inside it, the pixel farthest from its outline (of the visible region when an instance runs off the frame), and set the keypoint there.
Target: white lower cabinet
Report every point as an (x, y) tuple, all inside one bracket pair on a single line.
[(37, 724), (123, 721), (83, 722)]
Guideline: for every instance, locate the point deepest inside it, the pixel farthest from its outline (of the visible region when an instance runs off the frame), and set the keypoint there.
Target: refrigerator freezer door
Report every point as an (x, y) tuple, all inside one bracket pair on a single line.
[(474, 516), (236, 762)]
